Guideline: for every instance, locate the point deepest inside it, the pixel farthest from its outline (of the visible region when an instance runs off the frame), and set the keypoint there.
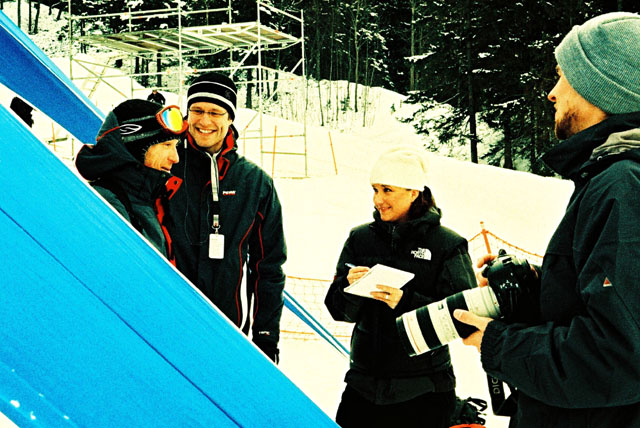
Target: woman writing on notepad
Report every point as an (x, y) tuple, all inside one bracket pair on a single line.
[(386, 387)]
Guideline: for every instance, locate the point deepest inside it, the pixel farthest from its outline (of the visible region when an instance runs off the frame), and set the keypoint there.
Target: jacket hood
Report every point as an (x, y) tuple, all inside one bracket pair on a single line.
[(106, 156), (110, 160), (595, 147)]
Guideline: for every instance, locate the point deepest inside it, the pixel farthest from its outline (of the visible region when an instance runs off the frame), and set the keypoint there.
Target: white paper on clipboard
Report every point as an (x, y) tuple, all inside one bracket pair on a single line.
[(379, 274)]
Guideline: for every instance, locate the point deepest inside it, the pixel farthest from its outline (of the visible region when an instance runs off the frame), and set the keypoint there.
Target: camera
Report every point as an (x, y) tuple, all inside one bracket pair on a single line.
[(512, 294)]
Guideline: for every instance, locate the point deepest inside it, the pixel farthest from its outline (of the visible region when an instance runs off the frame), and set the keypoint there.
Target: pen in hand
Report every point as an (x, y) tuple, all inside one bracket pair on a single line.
[(350, 265)]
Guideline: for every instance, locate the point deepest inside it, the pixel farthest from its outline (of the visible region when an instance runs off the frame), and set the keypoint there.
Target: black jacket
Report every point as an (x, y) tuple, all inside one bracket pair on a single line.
[(580, 366), (251, 222), (137, 192), (381, 369)]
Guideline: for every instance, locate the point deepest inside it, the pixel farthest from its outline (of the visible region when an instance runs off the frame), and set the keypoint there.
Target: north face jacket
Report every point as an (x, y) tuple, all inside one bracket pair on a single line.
[(247, 284), (137, 192), (381, 370), (580, 365)]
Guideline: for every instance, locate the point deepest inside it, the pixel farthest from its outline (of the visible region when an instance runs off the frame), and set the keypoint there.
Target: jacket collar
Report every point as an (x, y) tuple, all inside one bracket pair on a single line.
[(430, 217), (226, 155), (572, 158)]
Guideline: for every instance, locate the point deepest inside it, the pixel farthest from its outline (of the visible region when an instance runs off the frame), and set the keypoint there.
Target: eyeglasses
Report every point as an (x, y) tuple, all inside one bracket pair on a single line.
[(198, 112), (171, 119)]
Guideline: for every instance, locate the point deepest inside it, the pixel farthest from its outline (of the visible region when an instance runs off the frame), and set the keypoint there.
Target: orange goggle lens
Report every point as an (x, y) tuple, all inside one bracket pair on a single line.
[(171, 119)]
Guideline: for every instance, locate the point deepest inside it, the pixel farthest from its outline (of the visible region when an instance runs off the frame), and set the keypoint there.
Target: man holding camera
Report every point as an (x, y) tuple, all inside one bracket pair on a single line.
[(579, 365)]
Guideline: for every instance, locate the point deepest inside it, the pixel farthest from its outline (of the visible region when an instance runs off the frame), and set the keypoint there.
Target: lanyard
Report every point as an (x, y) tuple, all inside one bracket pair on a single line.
[(215, 184)]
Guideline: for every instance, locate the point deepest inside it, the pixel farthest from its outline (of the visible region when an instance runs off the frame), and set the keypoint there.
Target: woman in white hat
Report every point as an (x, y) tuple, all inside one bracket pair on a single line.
[(385, 386)]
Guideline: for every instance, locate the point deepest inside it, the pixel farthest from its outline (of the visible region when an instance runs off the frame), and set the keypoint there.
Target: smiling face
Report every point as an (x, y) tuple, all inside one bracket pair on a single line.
[(162, 156), (208, 125), (573, 112), (393, 202)]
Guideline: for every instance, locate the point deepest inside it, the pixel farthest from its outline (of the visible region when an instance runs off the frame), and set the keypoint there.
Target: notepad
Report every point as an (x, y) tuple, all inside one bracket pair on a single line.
[(379, 274)]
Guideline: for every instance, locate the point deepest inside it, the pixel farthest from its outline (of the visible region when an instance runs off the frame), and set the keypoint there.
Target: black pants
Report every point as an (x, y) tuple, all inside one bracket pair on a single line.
[(432, 410)]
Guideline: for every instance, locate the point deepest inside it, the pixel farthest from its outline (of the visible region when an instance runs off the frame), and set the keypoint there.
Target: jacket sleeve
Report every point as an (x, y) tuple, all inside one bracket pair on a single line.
[(267, 254), (455, 275), (113, 200), (344, 306), (590, 359)]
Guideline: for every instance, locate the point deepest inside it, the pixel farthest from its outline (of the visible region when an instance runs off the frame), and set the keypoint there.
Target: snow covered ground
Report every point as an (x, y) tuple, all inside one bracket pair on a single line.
[(320, 209)]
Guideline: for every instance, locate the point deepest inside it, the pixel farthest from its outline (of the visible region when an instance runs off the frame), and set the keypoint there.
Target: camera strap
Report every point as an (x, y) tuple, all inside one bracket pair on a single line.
[(500, 405)]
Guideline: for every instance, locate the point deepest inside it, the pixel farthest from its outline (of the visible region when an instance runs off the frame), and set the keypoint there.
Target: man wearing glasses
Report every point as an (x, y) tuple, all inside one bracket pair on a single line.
[(227, 220)]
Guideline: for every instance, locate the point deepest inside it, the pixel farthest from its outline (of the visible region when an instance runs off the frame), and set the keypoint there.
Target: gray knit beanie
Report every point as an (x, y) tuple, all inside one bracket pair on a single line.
[(601, 61)]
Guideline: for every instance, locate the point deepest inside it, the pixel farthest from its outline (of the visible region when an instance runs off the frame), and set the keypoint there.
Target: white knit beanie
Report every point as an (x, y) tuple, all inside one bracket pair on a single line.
[(401, 166)]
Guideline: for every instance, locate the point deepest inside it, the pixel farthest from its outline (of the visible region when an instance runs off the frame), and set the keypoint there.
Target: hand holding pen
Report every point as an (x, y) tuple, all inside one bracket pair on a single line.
[(355, 272)]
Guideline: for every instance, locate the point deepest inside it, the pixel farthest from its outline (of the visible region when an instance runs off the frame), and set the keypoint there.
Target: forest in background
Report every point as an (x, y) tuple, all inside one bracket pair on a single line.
[(491, 61)]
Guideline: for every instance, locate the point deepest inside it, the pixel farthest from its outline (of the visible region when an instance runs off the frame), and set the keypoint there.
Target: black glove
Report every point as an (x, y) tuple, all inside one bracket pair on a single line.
[(269, 348)]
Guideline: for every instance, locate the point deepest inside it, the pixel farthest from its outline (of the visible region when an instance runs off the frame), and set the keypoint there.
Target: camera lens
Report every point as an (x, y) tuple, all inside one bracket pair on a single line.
[(432, 326)]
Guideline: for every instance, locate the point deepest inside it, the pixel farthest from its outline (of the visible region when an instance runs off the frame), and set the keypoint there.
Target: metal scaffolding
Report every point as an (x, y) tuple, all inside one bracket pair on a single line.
[(178, 45)]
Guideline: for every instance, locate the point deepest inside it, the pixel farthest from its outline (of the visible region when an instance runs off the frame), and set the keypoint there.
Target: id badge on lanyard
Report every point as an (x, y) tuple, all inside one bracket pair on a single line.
[(216, 246), (216, 239)]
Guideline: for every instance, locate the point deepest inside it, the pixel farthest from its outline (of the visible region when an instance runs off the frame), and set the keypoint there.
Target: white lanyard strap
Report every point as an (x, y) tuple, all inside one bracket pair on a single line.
[(215, 183)]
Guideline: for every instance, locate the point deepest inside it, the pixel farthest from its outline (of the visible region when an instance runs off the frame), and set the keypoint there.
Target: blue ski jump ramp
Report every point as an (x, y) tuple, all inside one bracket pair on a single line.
[(96, 328)]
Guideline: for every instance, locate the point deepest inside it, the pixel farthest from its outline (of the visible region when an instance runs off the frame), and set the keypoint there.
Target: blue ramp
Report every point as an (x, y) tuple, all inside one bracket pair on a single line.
[(27, 71), (98, 330)]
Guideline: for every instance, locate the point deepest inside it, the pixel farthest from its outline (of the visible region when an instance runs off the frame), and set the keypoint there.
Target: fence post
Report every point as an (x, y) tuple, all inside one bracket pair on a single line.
[(244, 140), (273, 159), (333, 154), (53, 136), (484, 235)]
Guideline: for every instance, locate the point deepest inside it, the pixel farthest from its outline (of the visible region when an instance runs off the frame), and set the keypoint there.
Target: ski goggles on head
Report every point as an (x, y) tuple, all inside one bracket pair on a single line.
[(172, 120)]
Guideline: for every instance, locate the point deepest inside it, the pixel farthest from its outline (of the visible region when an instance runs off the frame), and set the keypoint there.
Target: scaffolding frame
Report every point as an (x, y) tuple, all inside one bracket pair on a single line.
[(185, 42)]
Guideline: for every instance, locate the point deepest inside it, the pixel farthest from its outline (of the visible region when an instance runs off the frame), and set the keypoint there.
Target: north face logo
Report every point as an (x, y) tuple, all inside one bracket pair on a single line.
[(228, 193), (422, 253)]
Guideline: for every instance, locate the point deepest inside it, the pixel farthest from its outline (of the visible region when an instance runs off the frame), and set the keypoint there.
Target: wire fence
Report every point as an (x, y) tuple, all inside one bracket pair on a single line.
[(310, 292)]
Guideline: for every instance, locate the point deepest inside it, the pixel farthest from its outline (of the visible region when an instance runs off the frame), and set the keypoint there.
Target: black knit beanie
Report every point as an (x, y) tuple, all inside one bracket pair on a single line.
[(139, 127), (214, 88)]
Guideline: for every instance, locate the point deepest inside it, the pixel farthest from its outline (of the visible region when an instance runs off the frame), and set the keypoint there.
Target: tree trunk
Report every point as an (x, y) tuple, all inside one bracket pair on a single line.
[(508, 145), (35, 24), (412, 64), (320, 102), (159, 70), (249, 88), (473, 136), (356, 49), (533, 158)]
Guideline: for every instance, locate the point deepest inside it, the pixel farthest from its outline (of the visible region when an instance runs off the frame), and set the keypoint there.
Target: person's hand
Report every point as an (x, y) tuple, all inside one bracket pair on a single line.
[(475, 338), (356, 273), (482, 261), (389, 295), (270, 349)]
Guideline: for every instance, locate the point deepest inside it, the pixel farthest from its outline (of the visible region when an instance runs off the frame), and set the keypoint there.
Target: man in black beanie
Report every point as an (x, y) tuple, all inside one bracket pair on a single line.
[(230, 217), (577, 364), (130, 166)]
